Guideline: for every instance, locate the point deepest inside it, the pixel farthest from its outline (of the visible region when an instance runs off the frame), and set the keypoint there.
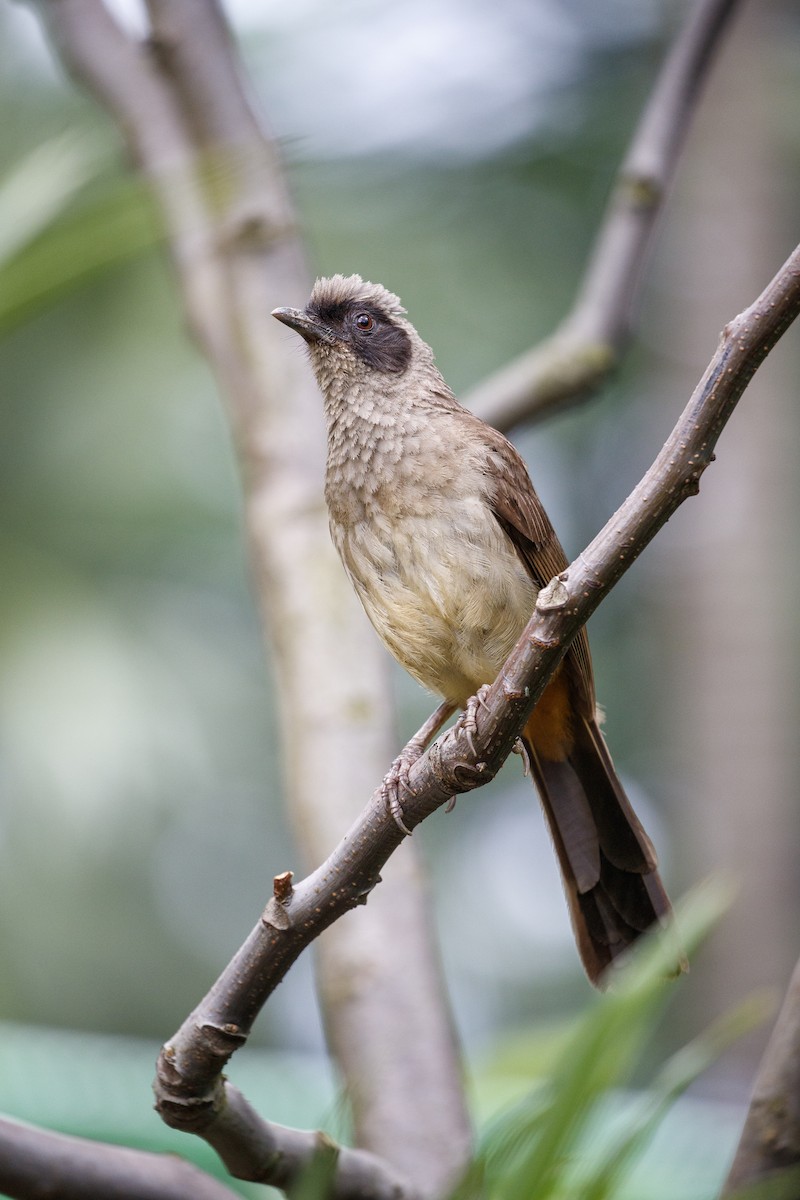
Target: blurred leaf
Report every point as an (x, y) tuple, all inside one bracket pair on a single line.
[(41, 186), (75, 246), (530, 1152), (100, 1087), (677, 1074)]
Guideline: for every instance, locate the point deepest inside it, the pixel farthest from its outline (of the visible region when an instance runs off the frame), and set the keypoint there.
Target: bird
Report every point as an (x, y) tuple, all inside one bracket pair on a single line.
[(447, 545)]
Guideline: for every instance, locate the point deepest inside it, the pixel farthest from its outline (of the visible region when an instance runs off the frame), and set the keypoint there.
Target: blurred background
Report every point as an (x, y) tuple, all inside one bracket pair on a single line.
[(461, 155)]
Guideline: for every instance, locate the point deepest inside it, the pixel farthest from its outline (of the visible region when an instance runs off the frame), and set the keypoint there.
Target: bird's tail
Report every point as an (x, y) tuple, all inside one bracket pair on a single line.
[(607, 861)]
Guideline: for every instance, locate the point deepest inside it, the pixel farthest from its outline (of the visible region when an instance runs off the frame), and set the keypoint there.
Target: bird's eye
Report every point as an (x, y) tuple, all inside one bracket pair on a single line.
[(364, 322)]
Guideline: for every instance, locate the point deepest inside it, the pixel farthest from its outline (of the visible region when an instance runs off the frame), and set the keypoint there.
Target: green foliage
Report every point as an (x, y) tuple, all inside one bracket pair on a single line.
[(576, 1137), (100, 1087), (39, 187), (63, 220), (558, 1143)]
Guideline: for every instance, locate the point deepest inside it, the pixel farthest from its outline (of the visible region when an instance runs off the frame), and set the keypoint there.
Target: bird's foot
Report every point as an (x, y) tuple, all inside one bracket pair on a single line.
[(395, 779), (397, 776), (468, 721)]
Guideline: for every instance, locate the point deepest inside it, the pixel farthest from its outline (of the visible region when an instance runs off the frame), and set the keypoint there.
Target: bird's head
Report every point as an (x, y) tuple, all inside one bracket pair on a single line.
[(353, 329)]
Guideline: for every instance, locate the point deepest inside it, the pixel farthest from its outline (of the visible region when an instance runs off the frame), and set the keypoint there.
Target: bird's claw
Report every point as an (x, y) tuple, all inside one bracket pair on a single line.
[(469, 718), (395, 779)]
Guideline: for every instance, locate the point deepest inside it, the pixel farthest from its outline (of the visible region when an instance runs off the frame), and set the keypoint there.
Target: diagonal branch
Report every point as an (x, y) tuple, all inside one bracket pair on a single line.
[(180, 103), (189, 1087), (573, 362), (37, 1163)]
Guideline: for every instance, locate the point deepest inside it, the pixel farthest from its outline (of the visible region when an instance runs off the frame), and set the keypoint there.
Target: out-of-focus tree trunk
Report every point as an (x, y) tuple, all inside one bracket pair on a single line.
[(181, 104), (729, 564)]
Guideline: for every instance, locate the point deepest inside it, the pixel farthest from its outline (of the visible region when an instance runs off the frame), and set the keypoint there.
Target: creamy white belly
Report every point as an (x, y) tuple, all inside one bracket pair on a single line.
[(448, 598)]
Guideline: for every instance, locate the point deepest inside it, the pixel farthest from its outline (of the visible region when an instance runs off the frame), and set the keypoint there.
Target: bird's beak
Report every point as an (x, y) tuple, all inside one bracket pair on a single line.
[(307, 326)]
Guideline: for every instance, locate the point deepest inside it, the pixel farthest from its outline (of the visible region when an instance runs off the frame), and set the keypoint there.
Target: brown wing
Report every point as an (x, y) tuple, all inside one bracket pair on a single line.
[(519, 511)]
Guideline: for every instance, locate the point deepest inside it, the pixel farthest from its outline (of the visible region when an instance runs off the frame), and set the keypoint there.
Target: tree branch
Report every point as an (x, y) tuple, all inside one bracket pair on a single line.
[(575, 361), (770, 1141), (263, 1152), (35, 1163), (189, 1072), (232, 234)]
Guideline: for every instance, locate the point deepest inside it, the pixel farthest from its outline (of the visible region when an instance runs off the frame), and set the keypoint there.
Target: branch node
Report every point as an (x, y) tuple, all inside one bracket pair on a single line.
[(642, 190), (222, 1040), (326, 1145), (276, 915), (445, 778), (362, 892), (190, 1114), (253, 227), (555, 595), (469, 776), (512, 692), (282, 888)]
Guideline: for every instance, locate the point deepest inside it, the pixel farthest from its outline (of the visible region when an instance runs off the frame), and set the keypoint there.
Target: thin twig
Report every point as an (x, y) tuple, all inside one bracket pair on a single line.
[(191, 1064), (573, 362)]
